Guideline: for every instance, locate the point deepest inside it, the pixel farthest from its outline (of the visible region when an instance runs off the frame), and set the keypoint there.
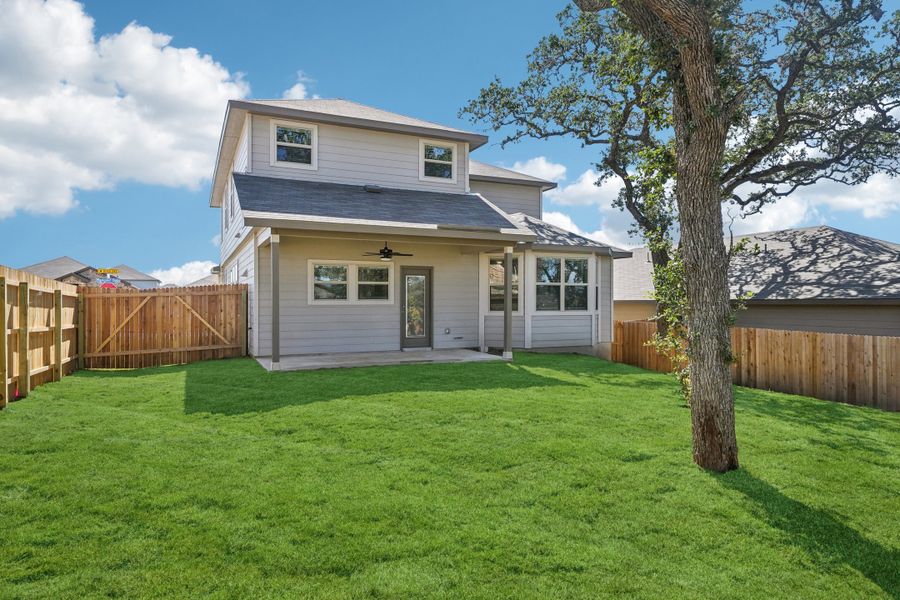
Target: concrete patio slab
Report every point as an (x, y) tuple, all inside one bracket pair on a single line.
[(305, 362)]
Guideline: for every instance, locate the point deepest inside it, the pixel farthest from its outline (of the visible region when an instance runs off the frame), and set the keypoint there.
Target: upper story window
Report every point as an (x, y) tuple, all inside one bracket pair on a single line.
[(436, 161), (294, 144), (562, 284)]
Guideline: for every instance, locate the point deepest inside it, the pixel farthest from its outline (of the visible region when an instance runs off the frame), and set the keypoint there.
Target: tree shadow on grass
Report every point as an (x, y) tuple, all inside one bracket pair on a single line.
[(828, 541), (233, 387)]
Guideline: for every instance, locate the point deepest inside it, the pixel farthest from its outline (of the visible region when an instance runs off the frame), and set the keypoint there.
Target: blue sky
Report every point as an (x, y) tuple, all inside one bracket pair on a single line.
[(422, 59)]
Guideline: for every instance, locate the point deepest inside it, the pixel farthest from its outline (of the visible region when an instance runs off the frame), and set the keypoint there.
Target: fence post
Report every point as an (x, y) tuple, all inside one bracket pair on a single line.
[(4, 356), (57, 333), (24, 383), (81, 328), (243, 322)]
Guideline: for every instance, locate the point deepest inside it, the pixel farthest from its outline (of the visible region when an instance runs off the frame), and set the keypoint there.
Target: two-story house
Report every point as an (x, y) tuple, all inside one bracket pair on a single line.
[(359, 229)]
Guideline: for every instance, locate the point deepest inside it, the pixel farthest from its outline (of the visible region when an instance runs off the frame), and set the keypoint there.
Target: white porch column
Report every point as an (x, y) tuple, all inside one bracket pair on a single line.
[(507, 302), (274, 243)]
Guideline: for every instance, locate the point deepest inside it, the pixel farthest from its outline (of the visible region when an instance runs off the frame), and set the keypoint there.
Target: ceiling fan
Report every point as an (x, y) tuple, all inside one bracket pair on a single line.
[(386, 253)]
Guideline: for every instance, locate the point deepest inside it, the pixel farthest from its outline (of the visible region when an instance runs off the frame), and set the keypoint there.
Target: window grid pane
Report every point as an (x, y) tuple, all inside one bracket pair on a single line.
[(438, 153), (576, 297), (547, 297), (330, 273), (498, 298), (576, 270), (548, 270), (373, 274)]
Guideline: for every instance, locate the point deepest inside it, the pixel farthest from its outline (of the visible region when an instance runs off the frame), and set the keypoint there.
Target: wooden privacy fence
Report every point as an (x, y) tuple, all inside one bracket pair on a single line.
[(857, 369), (37, 332), (127, 329)]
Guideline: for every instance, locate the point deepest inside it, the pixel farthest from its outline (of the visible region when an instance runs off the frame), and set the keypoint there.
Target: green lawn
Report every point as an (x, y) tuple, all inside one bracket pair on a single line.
[(554, 476)]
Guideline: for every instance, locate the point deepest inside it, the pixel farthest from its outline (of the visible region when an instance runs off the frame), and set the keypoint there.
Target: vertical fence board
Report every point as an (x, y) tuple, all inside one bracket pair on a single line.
[(856, 369)]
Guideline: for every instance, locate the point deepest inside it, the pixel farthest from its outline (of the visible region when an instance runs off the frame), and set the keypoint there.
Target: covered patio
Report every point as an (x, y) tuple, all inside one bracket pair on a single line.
[(308, 362)]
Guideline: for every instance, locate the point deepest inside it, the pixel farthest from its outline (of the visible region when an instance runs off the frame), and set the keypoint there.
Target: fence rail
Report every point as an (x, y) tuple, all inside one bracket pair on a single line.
[(130, 329), (856, 369), (48, 328), (37, 332)]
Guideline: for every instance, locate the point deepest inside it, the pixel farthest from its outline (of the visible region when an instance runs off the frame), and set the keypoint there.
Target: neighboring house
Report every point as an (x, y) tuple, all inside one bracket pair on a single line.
[(809, 279), (359, 229), (66, 270), (632, 296), (136, 279), (211, 279)]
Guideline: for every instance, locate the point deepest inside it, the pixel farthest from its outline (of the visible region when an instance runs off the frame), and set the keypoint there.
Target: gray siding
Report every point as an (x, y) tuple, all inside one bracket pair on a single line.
[(246, 263), (605, 279), (307, 328), (510, 197), (357, 156), (234, 232), (561, 330), (857, 320), (493, 331)]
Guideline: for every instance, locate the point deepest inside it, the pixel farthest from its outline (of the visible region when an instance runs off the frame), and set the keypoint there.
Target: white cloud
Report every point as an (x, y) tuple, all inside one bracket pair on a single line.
[(187, 273), (216, 240), (541, 168), (584, 191), (300, 90), (606, 234), (791, 211), (77, 112), (875, 199)]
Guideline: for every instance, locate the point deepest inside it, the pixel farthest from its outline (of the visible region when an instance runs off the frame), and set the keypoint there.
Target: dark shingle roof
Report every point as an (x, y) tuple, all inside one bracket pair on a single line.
[(551, 235), (340, 201), (817, 263), (485, 172), (56, 268), (796, 265)]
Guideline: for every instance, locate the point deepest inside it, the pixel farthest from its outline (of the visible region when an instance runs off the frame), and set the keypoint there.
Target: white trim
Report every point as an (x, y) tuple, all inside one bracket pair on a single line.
[(248, 123), (352, 282), (562, 284), (314, 146), (452, 146)]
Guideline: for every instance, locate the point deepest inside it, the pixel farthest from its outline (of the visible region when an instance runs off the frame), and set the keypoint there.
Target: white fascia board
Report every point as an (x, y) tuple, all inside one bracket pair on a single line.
[(319, 223)]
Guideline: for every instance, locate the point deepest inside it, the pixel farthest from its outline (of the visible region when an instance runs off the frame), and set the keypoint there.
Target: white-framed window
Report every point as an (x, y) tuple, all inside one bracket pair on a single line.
[(437, 161), (231, 275), (497, 285), (294, 144), (349, 282), (561, 284)]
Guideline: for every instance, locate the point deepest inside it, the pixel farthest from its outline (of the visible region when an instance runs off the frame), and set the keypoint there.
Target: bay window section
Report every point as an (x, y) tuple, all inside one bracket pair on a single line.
[(496, 284), (562, 284)]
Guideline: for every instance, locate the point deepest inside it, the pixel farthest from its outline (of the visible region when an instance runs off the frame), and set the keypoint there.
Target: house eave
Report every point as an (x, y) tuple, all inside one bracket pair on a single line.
[(319, 223), (544, 185)]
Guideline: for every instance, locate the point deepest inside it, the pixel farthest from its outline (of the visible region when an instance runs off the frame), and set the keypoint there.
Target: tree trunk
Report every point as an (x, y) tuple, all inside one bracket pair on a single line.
[(701, 144)]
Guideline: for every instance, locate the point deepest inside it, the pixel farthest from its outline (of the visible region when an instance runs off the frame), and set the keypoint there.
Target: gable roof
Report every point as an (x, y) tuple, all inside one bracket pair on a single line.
[(810, 264), (553, 237), (342, 207), (479, 171), (127, 273), (817, 263), (56, 267)]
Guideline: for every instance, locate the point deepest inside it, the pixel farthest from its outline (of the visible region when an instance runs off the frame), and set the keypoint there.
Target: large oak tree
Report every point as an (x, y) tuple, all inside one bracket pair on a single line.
[(736, 105)]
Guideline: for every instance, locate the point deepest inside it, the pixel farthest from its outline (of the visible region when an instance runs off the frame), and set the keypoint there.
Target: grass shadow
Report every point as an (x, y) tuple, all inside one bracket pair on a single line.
[(233, 387), (823, 537)]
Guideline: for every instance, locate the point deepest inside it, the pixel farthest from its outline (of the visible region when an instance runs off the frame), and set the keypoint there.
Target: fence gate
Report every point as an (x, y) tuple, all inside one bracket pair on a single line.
[(128, 329)]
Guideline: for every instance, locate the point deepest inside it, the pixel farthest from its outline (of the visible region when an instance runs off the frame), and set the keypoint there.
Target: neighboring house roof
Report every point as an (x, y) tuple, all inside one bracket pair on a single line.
[(806, 265), (341, 207), (633, 277), (551, 236), (127, 273), (211, 279), (479, 171), (817, 264), (56, 268)]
